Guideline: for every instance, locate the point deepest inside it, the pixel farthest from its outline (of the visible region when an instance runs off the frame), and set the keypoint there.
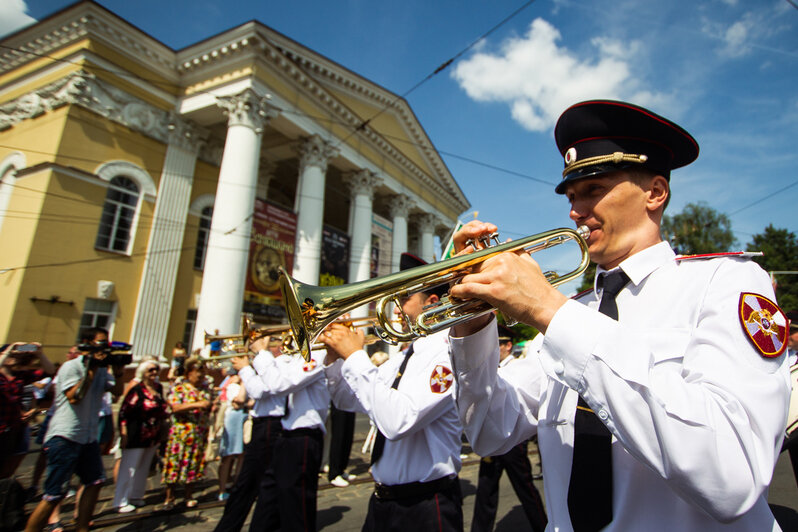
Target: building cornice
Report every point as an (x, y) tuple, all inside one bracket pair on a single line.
[(85, 90), (87, 20), (317, 75)]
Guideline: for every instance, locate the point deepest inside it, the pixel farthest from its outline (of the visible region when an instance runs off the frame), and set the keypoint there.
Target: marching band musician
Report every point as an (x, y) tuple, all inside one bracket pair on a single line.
[(267, 414), (659, 397), (416, 455), (287, 499)]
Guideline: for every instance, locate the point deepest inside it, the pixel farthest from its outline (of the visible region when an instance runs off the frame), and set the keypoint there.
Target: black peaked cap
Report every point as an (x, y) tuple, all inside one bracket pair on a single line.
[(600, 136)]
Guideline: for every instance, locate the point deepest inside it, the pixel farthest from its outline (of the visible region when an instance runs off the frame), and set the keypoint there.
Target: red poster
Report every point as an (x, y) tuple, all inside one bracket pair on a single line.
[(271, 246)]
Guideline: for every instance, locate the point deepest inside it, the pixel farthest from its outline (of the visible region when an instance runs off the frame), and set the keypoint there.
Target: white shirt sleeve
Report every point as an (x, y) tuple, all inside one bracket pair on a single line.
[(498, 409), (285, 374), (397, 413), (342, 395)]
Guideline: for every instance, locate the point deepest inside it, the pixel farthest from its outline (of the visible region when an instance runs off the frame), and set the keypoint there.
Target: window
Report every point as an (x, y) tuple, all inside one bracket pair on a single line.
[(116, 224), (188, 332), (202, 238), (96, 313)]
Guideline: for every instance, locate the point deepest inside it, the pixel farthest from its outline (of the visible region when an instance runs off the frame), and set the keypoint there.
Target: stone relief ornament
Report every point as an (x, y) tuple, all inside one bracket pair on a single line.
[(363, 182), (84, 89), (317, 152)]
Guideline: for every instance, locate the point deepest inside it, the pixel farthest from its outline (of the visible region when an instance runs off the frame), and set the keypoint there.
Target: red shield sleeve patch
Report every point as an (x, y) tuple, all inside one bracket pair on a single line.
[(441, 379), (764, 323)]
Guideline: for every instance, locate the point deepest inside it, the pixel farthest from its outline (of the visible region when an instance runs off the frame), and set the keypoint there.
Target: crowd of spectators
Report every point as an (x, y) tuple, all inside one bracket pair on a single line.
[(84, 409)]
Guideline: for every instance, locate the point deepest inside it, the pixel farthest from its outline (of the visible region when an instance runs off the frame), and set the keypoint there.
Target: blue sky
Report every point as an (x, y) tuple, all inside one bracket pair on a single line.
[(725, 70)]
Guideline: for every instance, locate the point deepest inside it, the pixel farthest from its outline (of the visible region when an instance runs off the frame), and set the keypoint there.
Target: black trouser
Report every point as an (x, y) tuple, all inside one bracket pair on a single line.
[(257, 460), (440, 511), (342, 431), (288, 489), (519, 471)]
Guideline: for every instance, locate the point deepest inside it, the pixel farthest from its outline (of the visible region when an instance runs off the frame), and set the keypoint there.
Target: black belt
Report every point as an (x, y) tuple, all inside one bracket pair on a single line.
[(262, 419), (412, 489), (304, 431)]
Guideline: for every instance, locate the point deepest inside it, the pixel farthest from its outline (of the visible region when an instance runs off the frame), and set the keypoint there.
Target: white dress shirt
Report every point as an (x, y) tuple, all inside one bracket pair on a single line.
[(306, 386), (419, 421), (267, 402), (696, 412)]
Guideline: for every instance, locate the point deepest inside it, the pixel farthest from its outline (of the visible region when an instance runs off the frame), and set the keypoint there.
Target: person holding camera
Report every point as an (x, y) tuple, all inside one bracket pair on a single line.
[(71, 441), (20, 365)]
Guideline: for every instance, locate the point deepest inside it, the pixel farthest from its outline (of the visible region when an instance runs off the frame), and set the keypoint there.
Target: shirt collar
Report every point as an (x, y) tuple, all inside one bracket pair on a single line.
[(641, 264)]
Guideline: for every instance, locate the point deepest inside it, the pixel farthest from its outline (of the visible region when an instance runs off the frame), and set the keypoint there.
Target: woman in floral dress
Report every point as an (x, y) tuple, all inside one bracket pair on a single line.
[(142, 415), (184, 462)]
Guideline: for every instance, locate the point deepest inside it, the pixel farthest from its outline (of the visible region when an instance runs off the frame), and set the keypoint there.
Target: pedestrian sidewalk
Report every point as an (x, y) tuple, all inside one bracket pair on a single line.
[(206, 492)]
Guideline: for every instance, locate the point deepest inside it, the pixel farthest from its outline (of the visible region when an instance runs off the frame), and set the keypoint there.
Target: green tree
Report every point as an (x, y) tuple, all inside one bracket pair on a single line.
[(588, 277), (780, 248), (521, 331), (698, 229)]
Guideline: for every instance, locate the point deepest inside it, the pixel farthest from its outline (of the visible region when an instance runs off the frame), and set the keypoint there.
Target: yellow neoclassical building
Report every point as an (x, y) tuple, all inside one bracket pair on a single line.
[(156, 192)]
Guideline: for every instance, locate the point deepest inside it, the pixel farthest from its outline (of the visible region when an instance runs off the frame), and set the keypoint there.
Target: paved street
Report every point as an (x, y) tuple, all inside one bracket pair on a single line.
[(344, 509)]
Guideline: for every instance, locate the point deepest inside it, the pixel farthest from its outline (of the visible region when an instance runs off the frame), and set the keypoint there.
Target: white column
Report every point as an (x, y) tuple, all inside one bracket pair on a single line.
[(315, 153), (156, 291), (361, 186), (400, 206), (426, 225), (224, 276)]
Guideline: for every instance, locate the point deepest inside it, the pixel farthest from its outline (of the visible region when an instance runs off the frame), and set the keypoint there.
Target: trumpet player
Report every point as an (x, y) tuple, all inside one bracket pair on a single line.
[(659, 397), (287, 495), (409, 398), (267, 412)]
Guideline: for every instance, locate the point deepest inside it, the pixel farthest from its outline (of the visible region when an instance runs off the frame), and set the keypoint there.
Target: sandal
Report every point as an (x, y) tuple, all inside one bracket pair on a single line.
[(54, 527), (191, 503), (168, 505)]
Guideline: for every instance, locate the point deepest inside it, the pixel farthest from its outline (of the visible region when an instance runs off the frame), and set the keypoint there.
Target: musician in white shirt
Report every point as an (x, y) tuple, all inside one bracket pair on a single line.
[(688, 379), (416, 472)]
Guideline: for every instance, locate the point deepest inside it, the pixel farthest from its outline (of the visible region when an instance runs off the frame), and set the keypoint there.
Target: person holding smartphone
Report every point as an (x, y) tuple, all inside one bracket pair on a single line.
[(20, 365)]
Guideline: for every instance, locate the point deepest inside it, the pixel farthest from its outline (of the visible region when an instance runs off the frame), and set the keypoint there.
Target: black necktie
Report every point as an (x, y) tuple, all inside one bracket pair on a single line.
[(379, 440), (590, 487)]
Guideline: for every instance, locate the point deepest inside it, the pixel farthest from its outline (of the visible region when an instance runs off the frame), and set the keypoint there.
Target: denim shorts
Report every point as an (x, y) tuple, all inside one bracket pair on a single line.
[(65, 457)]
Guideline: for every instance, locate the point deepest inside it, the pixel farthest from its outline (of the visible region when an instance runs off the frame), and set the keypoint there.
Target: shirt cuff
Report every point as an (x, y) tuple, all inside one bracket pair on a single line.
[(471, 352)]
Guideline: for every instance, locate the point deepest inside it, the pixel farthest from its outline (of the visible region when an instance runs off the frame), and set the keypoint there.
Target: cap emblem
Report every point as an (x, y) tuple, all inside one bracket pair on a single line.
[(764, 323), (570, 156)]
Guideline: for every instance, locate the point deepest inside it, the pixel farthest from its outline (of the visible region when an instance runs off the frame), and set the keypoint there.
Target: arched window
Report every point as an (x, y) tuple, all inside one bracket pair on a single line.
[(119, 211), (203, 232)]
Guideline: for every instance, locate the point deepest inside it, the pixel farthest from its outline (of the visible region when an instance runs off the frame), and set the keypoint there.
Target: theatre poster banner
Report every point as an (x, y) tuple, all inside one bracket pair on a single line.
[(334, 268), (271, 246)]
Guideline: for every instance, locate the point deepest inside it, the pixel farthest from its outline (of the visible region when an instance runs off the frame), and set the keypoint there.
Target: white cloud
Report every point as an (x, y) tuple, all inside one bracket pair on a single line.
[(13, 16), (538, 79)]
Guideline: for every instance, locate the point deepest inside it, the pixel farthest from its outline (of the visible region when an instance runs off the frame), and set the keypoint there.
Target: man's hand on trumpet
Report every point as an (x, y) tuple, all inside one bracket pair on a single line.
[(511, 282), (341, 340)]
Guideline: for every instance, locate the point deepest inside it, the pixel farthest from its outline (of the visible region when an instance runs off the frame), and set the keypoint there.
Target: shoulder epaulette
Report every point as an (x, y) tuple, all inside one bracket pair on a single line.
[(740, 254)]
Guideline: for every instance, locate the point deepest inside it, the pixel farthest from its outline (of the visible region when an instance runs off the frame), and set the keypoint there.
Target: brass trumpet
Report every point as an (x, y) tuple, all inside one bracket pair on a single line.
[(311, 308), (283, 337)]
